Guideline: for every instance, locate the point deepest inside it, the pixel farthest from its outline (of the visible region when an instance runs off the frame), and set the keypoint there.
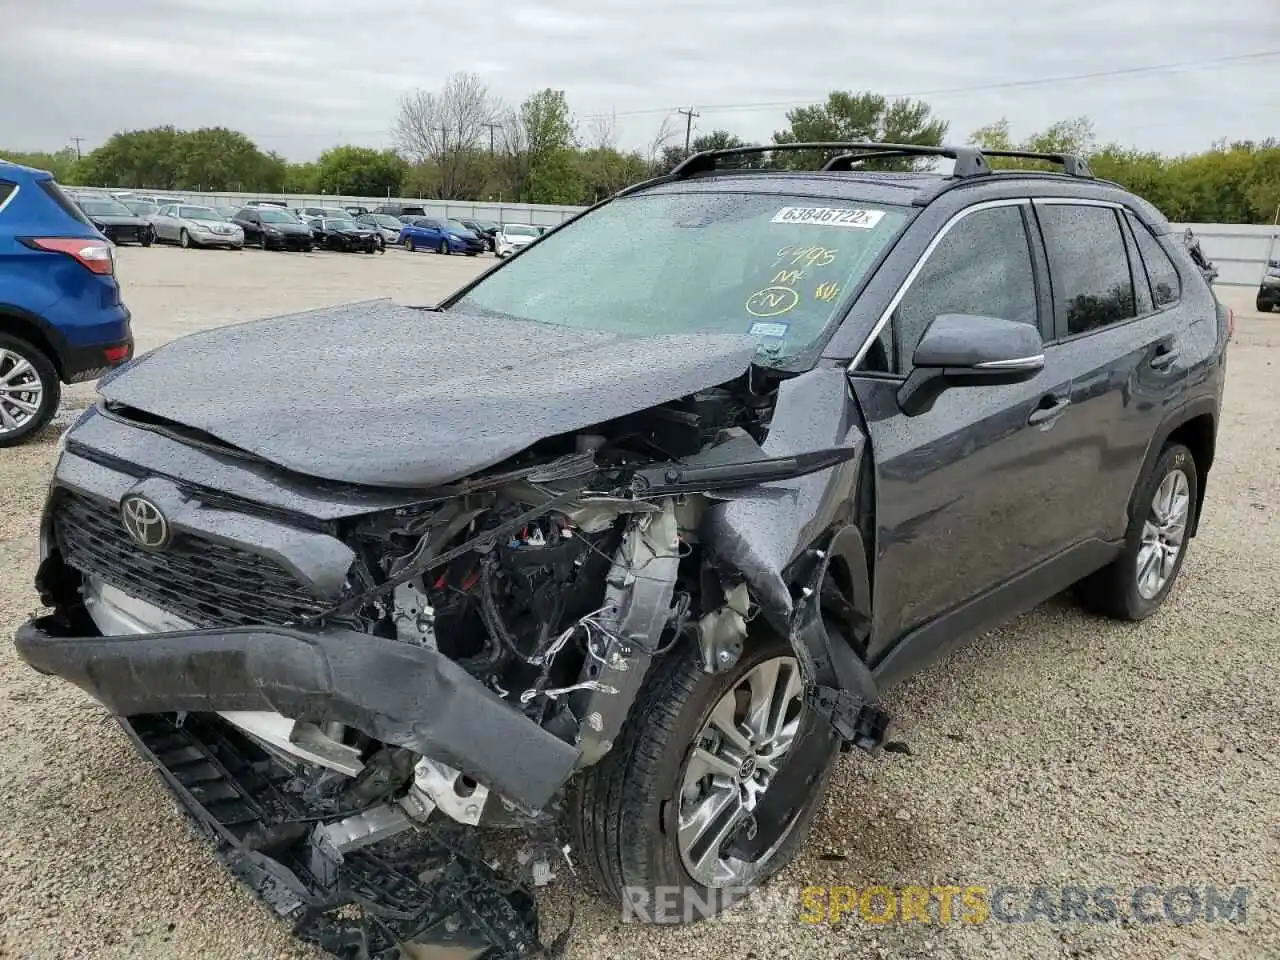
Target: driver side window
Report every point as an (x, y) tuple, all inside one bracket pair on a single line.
[(981, 267)]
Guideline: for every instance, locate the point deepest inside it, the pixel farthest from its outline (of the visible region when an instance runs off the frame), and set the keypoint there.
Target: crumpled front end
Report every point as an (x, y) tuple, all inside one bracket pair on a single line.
[(334, 679)]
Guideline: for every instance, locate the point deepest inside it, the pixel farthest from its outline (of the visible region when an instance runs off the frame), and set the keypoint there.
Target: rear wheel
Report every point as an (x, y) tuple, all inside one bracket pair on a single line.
[(29, 390), (660, 812), (1136, 583)]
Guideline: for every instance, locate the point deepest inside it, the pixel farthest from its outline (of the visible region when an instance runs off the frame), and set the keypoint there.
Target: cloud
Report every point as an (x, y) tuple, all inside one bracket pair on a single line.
[(300, 75)]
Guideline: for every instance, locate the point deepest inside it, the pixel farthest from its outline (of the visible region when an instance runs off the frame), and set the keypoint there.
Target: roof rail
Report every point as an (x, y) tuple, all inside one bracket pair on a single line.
[(1072, 165), (969, 161)]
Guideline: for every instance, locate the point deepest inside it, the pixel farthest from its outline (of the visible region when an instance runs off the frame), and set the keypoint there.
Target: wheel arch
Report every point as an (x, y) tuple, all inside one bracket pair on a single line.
[(36, 331), (1195, 426)]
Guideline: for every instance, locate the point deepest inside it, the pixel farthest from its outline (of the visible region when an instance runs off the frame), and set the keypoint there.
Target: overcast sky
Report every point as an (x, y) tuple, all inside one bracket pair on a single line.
[(301, 75)]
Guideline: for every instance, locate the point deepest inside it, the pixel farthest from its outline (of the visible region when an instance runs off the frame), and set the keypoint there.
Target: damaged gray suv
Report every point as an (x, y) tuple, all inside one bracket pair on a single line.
[(620, 544)]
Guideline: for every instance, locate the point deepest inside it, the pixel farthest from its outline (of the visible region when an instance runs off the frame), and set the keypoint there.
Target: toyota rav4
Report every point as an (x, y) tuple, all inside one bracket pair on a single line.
[(621, 543)]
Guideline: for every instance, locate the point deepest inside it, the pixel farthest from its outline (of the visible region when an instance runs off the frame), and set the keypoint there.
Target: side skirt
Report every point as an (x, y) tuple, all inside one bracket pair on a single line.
[(944, 633)]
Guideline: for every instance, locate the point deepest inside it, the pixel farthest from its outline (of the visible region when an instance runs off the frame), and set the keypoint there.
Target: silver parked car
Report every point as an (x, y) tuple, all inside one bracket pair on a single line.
[(192, 226), (384, 223)]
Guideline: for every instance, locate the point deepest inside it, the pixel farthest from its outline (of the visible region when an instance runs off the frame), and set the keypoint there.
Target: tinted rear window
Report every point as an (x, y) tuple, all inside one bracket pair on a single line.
[(6, 188), (57, 195)]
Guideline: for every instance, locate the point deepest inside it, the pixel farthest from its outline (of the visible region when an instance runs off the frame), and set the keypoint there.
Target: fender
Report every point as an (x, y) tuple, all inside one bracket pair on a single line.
[(1193, 408)]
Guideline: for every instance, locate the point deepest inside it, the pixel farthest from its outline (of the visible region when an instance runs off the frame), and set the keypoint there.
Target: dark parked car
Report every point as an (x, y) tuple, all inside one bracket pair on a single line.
[(486, 230), (1269, 288), (344, 234), (629, 537), (441, 235), (271, 228), (401, 210), (117, 222)]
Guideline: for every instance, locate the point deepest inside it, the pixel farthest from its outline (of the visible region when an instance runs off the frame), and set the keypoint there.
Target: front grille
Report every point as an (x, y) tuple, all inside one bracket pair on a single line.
[(207, 583)]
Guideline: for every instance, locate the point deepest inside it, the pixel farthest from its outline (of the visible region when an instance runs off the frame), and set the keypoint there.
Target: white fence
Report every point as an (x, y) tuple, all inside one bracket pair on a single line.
[(1239, 251)]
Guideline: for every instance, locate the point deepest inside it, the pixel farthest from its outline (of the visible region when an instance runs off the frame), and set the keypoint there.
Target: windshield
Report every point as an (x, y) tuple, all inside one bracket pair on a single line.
[(386, 220), (519, 230), (486, 225), (339, 224), (141, 207), (105, 208), (199, 213), (775, 268), (268, 215), (457, 226)]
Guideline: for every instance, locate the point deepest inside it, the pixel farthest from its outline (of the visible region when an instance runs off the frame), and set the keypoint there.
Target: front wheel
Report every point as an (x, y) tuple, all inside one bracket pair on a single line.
[(148, 237), (1135, 584), (408, 244), (444, 247), (29, 390), (184, 240), (660, 814)]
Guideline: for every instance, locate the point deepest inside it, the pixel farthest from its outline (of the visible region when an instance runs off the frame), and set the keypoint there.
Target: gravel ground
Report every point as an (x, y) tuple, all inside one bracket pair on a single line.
[(1059, 750)]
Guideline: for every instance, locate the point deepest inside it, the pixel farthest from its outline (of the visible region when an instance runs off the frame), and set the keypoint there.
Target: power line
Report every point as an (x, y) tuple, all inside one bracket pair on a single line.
[(976, 88)]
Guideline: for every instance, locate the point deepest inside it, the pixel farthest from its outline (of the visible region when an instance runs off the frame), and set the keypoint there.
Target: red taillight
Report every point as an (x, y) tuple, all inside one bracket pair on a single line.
[(115, 354), (94, 255)]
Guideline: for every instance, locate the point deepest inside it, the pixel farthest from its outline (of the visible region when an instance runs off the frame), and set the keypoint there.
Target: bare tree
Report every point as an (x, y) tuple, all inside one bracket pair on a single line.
[(661, 140), (602, 132), (446, 128)]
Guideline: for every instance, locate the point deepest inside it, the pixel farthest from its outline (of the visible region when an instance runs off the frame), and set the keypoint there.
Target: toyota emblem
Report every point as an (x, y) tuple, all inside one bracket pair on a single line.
[(144, 522)]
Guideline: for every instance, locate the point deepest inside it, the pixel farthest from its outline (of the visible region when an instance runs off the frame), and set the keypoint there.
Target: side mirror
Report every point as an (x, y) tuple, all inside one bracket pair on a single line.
[(962, 350)]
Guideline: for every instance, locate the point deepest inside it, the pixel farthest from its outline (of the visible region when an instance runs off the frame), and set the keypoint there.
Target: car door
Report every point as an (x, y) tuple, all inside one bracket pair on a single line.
[(978, 489), (165, 223), (1123, 339), (248, 222)]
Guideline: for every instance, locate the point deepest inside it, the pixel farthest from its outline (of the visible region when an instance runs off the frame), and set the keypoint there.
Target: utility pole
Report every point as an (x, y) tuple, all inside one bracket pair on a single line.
[(77, 141), (688, 127), (492, 127)]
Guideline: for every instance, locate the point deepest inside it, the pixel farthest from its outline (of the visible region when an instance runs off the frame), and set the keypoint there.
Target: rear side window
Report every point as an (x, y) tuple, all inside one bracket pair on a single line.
[(981, 267), (6, 188), (1088, 266), (1165, 288), (56, 194)]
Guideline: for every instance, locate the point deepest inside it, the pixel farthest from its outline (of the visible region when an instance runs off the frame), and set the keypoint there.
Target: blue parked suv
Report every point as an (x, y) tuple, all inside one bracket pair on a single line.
[(441, 235), (61, 316)]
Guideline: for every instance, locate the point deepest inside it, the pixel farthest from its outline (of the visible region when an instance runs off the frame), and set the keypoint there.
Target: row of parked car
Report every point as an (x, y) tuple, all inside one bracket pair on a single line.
[(271, 225)]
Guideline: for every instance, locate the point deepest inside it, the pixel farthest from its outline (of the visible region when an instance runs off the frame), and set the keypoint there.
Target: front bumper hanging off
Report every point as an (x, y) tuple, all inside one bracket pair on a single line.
[(404, 695), (421, 894)]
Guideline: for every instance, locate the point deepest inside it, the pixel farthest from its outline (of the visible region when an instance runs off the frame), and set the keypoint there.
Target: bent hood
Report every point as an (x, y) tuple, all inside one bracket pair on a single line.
[(383, 394)]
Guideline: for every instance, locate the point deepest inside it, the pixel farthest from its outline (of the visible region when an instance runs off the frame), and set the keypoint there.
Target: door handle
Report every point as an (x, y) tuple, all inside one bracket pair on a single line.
[(1050, 408), (1164, 357)]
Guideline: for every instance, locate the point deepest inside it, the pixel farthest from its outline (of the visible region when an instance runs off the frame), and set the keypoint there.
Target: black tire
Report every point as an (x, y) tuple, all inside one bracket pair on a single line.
[(1113, 590), (623, 811), (408, 244), (184, 240), (148, 237), (51, 389), (262, 241), (444, 248)]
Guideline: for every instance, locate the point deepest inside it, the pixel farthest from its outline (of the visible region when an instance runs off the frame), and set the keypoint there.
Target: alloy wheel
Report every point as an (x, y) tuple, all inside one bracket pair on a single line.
[(1163, 534), (734, 760), (20, 391)]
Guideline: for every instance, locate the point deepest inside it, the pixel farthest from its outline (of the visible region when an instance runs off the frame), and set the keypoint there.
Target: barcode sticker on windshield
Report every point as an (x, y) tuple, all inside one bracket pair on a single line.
[(829, 216)]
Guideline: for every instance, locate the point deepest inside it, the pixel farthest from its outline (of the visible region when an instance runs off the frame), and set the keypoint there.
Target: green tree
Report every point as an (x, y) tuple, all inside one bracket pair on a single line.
[(1073, 136), (715, 140), (165, 158), (864, 116), (360, 171), (541, 144), (63, 164)]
